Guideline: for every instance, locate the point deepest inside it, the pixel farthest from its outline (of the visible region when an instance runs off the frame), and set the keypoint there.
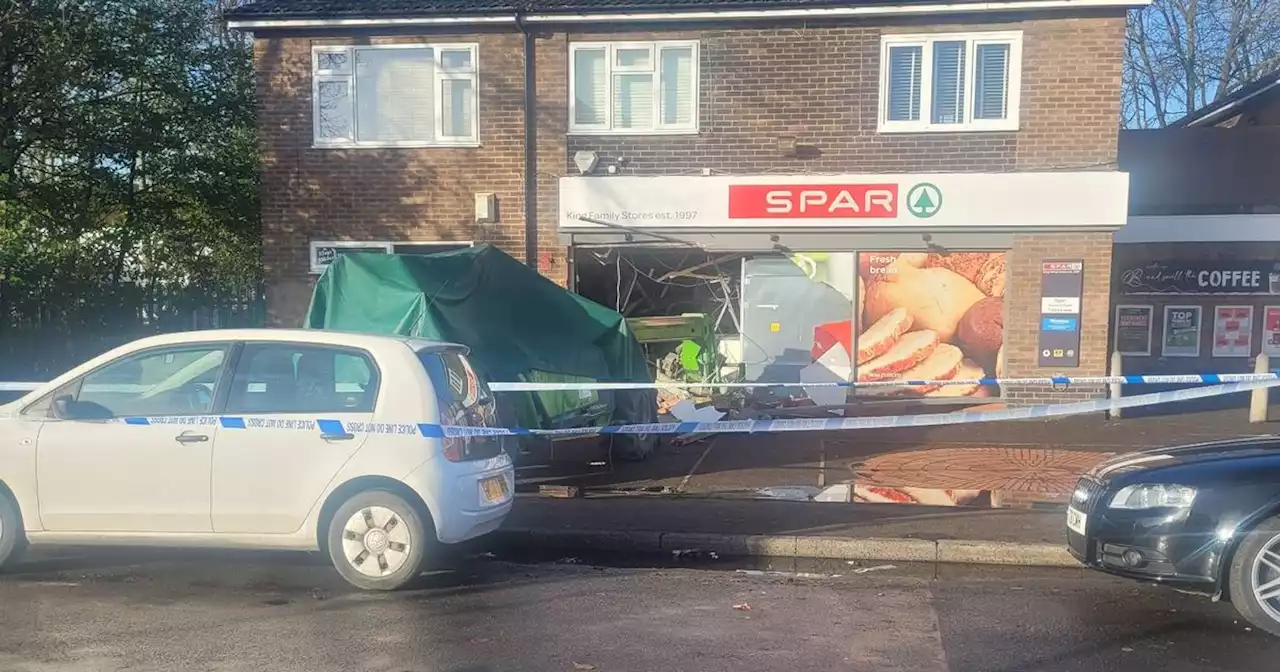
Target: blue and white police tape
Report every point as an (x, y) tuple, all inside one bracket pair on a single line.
[(433, 430), (1167, 379), (1184, 379)]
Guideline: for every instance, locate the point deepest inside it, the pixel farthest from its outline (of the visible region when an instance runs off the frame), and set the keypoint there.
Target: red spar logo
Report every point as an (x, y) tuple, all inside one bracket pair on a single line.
[(813, 201)]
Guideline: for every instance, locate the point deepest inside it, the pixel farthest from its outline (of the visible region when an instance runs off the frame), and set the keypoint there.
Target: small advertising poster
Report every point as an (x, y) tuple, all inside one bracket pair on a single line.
[(1061, 286), (1181, 331), (1133, 330), (1271, 331), (1232, 331)]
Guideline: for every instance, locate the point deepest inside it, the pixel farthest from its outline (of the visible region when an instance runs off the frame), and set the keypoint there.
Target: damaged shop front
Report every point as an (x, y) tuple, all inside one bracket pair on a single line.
[(799, 279)]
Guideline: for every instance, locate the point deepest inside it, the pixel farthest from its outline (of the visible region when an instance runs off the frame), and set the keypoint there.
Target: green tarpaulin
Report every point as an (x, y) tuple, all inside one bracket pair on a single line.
[(519, 326)]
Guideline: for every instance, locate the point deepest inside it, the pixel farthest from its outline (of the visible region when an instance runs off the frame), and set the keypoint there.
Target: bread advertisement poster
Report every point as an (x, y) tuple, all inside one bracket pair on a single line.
[(931, 316), (913, 316)]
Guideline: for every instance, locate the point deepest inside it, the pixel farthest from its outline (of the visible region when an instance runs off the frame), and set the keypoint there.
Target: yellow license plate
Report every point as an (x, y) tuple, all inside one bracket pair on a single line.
[(494, 489)]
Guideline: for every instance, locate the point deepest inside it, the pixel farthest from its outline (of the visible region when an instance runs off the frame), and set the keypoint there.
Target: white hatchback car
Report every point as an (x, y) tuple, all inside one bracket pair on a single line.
[(262, 438)]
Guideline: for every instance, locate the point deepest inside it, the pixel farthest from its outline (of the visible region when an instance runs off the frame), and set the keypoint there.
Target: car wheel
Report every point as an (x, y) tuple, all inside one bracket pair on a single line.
[(12, 540), (378, 541), (1255, 576)]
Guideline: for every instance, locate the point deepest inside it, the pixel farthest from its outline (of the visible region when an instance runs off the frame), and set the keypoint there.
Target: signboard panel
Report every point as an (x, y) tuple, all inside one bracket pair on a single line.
[(1181, 331), (1271, 331), (894, 201), (1061, 287), (1133, 330), (1233, 331), (1221, 277)]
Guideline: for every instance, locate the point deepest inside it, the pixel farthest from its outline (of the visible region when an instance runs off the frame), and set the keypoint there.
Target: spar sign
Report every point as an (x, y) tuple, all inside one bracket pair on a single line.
[(925, 201), (812, 201)]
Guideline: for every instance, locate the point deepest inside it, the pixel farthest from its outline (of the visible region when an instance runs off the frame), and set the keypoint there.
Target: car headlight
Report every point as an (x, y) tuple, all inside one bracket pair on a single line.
[(1154, 496)]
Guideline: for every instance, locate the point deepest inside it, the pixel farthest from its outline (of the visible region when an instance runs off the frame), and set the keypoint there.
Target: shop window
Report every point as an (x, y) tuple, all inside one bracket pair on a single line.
[(950, 82), (633, 88), (395, 96)]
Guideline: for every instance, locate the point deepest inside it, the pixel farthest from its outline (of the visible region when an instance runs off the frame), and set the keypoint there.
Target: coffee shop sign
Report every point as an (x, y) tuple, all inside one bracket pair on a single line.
[(1259, 277)]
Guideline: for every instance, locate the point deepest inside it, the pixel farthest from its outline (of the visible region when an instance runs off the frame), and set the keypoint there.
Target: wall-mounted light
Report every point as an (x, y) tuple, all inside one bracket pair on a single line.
[(586, 161)]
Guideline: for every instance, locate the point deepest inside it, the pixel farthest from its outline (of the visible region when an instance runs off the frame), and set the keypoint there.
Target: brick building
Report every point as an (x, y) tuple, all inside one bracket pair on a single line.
[(875, 186)]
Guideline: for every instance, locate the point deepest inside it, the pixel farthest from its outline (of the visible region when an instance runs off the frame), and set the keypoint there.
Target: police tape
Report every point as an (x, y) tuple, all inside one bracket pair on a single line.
[(1183, 379), (436, 431), (1164, 379)]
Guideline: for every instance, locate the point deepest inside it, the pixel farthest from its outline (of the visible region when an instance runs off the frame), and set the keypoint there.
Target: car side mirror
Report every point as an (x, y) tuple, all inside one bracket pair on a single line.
[(63, 407), (67, 408)]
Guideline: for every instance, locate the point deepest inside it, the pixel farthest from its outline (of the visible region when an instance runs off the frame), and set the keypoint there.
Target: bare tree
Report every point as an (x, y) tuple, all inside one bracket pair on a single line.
[(1183, 54)]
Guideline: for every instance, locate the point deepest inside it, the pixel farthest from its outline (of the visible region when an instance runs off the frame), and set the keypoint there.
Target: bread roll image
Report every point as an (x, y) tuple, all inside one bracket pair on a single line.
[(881, 336), (873, 266), (936, 298), (1000, 362), (908, 351), (943, 364), (965, 264), (981, 331), (968, 370), (991, 277)]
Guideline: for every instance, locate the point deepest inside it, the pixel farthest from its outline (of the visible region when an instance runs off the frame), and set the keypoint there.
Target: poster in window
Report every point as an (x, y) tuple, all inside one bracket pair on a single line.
[(1232, 331), (1181, 331), (1133, 330), (1271, 331), (930, 316)]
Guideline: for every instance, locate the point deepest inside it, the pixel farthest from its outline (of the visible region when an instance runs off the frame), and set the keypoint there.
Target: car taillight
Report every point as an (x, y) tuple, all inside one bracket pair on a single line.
[(464, 449), (455, 449)]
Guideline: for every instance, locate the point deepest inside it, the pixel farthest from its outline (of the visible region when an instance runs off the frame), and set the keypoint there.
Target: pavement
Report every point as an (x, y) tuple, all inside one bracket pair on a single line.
[(785, 531), (151, 611), (987, 493)]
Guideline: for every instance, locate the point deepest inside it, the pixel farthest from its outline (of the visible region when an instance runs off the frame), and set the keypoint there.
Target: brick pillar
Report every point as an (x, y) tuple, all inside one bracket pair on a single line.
[(1022, 314)]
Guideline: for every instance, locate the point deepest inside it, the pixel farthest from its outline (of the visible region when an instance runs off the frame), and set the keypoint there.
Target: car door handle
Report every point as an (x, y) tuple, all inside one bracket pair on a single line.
[(345, 436), (191, 438)]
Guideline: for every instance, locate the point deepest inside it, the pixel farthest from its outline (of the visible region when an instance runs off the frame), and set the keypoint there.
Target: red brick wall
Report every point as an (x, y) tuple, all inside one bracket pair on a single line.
[(380, 194), (1022, 313)]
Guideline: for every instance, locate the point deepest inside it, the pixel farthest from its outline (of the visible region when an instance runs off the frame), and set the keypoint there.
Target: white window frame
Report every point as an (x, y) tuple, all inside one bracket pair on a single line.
[(368, 245), (972, 41), (387, 246), (611, 68), (440, 74)]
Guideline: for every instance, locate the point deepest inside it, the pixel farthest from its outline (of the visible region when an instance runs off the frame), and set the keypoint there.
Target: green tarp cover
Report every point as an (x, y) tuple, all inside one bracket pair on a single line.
[(519, 326)]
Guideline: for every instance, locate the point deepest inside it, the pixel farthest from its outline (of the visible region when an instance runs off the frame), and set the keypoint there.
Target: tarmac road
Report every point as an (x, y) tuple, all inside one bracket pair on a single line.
[(134, 610)]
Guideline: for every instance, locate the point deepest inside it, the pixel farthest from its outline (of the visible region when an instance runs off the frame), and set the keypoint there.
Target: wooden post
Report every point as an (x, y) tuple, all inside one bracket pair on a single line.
[(1117, 389), (1259, 398)]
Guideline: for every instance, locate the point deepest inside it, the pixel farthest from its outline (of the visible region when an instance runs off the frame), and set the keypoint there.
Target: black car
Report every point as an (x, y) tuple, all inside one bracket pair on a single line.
[(1204, 518)]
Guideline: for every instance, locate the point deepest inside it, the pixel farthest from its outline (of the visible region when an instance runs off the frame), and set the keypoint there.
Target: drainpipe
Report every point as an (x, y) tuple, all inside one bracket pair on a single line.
[(530, 146)]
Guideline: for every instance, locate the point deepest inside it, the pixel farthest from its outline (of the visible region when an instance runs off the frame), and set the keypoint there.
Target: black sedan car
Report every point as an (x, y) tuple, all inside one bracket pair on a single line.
[(1204, 518)]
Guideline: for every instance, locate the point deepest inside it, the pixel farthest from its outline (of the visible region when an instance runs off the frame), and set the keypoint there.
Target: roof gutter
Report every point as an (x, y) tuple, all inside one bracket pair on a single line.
[(1214, 116), (388, 22), (709, 15)]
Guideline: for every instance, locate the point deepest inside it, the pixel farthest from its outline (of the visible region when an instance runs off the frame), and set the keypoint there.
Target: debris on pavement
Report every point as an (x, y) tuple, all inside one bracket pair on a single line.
[(867, 570), (742, 607), (694, 553), (560, 491), (583, 667), (789, 575)]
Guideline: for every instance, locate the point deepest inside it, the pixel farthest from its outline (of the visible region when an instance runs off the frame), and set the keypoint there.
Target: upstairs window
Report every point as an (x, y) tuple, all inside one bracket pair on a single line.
[(395, 96), (633, 88), (950, 82)]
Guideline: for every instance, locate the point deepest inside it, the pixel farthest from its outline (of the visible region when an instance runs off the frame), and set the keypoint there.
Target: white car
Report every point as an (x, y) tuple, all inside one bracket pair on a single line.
[(260, 438)]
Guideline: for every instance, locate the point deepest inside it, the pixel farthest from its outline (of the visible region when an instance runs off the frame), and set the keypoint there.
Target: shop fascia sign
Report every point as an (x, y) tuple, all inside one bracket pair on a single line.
[(1011, 201)]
